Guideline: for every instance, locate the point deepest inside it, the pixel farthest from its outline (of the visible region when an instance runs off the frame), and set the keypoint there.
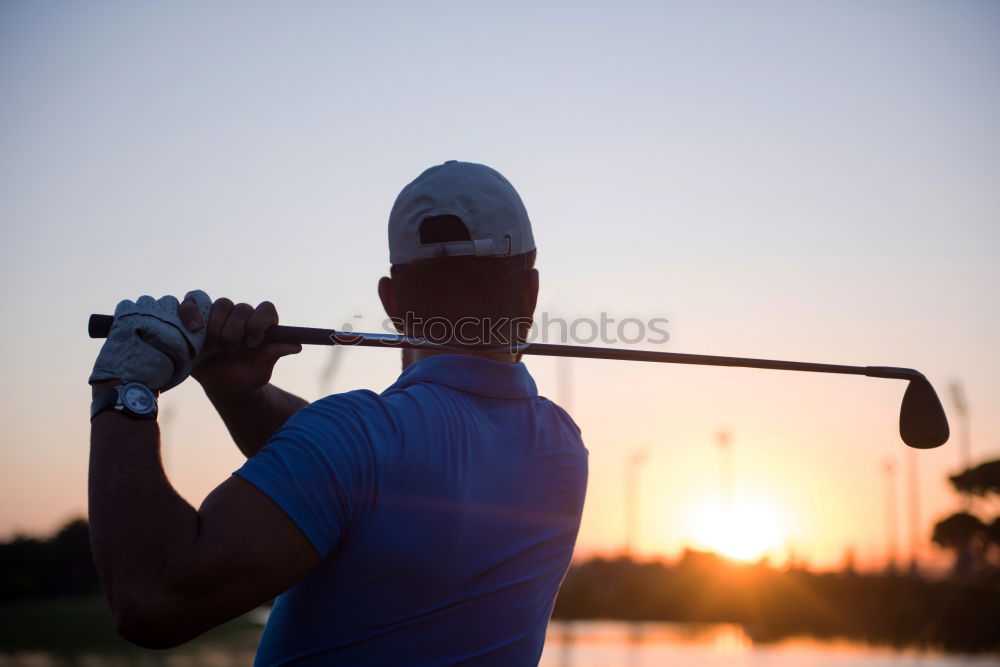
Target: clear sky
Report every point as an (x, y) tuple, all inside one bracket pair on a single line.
[(795, 180)]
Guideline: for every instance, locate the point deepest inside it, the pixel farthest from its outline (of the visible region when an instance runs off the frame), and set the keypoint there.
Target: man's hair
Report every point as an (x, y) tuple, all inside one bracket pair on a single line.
[(452, 289)]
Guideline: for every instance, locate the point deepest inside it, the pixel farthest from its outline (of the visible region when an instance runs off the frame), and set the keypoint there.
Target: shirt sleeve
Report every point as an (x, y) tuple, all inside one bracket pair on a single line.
[(319, 468)]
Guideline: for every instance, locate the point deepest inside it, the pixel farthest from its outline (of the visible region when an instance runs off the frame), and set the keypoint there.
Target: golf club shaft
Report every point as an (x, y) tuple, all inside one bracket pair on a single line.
[(100, 325)]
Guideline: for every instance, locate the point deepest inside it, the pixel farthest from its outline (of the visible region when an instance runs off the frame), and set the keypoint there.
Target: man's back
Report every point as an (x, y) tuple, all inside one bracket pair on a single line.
[(429, 525), (445, 511)]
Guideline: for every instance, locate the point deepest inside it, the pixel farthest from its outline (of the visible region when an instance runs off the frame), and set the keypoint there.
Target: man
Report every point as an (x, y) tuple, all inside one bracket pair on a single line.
[(430, 524)]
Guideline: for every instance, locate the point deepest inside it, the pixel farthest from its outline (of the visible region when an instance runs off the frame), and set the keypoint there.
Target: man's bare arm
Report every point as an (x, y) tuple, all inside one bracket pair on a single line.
[(252, 417), (235, 375), (172, 572)]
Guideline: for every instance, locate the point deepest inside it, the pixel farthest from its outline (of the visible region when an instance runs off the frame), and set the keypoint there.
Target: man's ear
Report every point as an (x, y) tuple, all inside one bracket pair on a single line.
[(529, 293), (388, 297)]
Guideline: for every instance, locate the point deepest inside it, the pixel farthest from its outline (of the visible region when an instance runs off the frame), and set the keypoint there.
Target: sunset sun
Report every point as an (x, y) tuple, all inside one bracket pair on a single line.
[(745, 530)]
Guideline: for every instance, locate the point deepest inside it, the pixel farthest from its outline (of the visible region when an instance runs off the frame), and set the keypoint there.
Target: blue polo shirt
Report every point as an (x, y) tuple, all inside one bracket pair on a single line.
[(445, 510)]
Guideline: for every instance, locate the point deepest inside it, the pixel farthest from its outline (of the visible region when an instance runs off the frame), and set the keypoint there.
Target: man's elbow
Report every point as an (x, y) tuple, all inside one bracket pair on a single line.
[(155, 626)]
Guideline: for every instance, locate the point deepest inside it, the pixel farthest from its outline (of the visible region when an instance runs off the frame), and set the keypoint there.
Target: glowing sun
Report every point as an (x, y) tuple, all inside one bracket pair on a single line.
[(745, 530)]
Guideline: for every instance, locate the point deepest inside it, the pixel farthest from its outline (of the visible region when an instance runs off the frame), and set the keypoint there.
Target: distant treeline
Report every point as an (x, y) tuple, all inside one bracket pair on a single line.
[(958, 614), (57, 567), (961, 613)]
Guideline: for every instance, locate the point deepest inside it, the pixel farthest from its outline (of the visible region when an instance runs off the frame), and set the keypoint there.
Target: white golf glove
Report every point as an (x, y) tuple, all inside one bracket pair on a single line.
[(149, 343)]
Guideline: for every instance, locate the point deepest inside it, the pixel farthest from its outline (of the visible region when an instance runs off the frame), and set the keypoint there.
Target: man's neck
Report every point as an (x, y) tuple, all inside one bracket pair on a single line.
[(411, 356)]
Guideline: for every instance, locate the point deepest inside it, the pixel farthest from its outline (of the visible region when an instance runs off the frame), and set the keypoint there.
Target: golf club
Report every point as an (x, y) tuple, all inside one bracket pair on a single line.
[(922, 422)]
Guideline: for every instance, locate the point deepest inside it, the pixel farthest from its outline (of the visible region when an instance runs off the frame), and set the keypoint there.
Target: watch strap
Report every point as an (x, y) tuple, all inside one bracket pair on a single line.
[(106, 400), (113, 399)]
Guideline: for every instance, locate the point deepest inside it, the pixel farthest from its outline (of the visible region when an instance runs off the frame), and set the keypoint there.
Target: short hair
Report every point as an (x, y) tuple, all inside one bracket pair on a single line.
[(449, 289)]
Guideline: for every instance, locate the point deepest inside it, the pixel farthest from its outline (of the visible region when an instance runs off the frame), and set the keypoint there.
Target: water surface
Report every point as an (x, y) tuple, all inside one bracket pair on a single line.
[(593, 643)]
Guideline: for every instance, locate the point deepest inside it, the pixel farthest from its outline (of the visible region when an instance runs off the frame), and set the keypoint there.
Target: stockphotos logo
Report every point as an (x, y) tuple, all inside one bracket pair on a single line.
[(607, 330), (505, 331)]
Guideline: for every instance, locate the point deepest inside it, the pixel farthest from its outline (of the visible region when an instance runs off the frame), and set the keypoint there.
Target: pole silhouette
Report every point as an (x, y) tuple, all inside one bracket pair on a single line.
[(564, 383), (632, 469), (891, 518), (961, 404), (725, 444), (913, 484)]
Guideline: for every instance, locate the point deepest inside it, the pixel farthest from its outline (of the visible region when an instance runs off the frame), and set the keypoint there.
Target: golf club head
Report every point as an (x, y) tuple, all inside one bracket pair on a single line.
[(922, 422)]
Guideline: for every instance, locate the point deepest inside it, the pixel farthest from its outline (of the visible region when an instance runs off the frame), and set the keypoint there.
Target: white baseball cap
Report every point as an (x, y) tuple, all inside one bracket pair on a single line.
[(485, 202)]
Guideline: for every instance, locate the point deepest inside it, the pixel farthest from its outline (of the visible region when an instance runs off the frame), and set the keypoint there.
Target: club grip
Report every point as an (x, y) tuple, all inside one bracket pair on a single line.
[(99, 325)]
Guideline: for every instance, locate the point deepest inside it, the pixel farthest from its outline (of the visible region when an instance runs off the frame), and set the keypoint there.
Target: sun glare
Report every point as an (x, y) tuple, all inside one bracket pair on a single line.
[(746, 530)]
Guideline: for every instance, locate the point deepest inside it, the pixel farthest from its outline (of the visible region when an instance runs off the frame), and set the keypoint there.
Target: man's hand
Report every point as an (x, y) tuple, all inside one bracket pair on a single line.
[(236, 360), (148, 343), (236, 369)]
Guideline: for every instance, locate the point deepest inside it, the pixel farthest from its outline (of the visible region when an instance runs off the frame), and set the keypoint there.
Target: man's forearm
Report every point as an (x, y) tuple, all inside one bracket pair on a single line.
[(171, 572), (252, 417), (139, 525)]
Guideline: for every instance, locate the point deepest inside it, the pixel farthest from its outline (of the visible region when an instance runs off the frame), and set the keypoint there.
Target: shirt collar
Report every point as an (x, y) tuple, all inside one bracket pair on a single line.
[(475, 375)]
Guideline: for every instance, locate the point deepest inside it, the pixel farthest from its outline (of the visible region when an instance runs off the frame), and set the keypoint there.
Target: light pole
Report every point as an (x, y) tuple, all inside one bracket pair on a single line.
[(962, 408), (725, 444), (891, 520), (564, 383), (965, 440), (632, 469), (914, 488), (329, 371)]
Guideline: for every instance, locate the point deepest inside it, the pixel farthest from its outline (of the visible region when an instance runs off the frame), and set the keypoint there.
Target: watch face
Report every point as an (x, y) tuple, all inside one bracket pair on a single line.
[(138, 399)]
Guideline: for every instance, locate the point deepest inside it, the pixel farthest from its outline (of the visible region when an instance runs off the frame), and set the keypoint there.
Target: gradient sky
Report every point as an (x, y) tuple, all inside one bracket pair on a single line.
[(796, 180)]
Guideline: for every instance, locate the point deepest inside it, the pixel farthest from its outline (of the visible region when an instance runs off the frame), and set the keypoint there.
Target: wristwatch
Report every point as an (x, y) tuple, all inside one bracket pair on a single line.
[(132, 399)]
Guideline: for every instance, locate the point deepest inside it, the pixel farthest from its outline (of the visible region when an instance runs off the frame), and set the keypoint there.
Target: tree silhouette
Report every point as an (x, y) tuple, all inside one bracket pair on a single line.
[(59, 566), (976, 543), (982, 480), (965, 535)]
